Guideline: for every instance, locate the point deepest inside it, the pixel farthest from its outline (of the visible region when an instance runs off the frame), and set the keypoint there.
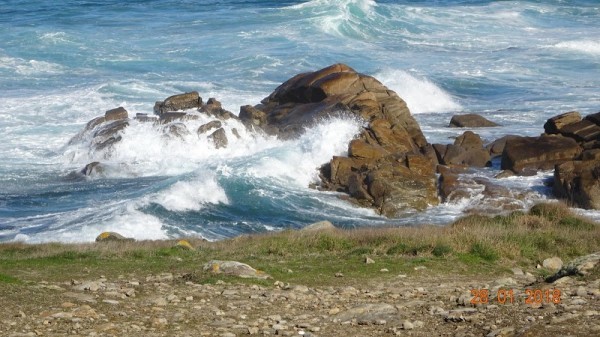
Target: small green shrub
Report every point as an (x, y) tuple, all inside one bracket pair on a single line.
[(398, 249), (441, 250), (484, 252)]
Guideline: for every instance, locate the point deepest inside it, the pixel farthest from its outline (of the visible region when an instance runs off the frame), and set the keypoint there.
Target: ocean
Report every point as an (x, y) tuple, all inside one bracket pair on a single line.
[(63, 63)]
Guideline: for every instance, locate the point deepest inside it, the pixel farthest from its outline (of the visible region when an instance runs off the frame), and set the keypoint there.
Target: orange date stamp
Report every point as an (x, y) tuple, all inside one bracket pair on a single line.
[(507, 296)]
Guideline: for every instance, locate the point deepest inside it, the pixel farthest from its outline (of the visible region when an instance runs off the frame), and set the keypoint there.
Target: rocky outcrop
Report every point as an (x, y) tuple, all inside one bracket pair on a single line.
[(470, 121), (556, 123), (467, 150), (579, 183), (529, 154), (385, 167)]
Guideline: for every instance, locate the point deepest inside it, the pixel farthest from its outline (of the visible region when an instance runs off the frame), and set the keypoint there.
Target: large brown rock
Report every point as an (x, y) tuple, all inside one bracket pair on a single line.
[(219, 138), (189, 100), (524, 154), (556, 123), (470, 121), (385, 168), (467, 150), (496, 147), (579, 183), (116, 114)]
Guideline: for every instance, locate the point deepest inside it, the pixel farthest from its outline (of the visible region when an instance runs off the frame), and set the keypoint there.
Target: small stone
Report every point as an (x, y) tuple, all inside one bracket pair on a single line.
[(553, 263), (112, 302), (159, 321), (339, 275), (334, 311), (407, 325), (160, 301), (420, 267), (517, 271), (369, 260), (253, 330), (384, 270)]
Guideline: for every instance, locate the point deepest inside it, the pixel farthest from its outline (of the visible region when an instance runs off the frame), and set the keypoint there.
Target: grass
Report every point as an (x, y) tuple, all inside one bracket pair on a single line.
[(472, 245)]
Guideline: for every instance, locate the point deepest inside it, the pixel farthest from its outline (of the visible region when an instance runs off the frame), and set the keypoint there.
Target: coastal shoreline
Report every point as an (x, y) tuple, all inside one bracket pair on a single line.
[(417, 281)]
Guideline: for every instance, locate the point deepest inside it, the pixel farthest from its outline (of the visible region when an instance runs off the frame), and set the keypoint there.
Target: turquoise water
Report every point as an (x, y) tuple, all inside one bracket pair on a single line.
[(62, 64)]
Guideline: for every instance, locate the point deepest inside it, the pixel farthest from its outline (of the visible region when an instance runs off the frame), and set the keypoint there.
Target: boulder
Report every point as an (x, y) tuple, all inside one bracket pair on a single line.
[(184, 244), (234, 268), (219, 138), (582, 131), (467, 150), (449, 184), (386, 167), (108, 133), (552, 263), (170, 117), (116, 114), (144, 118), (252, 116), (538, 153), (93, 169), (556, 123), (213, 108), (111, 236), (176, 130), (186, 101), (580, 266), (496, 147), (470, 121), (204, 128), (579, 183)]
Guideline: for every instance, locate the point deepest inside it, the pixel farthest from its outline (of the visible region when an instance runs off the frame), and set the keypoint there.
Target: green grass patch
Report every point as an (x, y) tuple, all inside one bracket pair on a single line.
[(484, 252), (9, 279)]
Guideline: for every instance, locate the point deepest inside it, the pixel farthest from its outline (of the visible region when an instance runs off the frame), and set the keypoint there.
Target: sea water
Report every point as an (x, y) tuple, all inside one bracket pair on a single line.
[(63, 63)]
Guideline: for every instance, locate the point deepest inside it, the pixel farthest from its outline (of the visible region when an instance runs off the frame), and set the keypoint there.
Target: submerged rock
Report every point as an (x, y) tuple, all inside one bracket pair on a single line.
[(204, 128), (219, 138)]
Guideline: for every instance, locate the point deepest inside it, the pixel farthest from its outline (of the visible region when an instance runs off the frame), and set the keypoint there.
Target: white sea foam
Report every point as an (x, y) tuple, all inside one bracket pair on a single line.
[(192, 195), (131, 223), (340, 18), (297, 161), (30, 67), (591, 47), (420, 94)]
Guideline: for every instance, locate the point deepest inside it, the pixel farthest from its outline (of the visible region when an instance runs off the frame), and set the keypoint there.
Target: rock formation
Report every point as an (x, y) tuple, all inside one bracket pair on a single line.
[(470, 121), (386, 167)]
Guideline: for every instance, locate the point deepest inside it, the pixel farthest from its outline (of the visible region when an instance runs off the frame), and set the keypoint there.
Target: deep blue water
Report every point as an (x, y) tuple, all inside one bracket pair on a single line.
[(64, 63)]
